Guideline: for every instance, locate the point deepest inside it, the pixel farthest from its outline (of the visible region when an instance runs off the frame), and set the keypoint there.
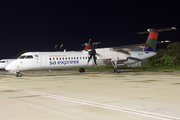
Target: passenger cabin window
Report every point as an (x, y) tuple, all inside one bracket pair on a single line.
[(21, 57), (29, 57)]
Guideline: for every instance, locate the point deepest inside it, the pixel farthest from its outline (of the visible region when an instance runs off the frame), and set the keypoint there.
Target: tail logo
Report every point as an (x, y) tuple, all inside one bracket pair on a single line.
[(149, 48)]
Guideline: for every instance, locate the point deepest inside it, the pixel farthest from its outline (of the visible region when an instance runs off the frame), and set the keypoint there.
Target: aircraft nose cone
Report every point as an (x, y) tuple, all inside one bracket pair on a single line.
[(8, 67), (11, 66)]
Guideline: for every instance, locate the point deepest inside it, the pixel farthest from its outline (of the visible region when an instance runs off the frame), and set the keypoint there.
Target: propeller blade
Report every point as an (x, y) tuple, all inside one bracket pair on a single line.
[(60, 48), (56, 47), (89, 58), (94, 57), (95, 45), (90, 43)]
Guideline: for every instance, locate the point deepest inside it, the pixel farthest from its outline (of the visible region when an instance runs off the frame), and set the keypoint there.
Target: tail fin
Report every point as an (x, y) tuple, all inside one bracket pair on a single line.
[(153, 36)]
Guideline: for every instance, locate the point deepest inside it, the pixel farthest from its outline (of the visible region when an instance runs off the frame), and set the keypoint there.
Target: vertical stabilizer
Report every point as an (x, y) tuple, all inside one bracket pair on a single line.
[(153, 36)]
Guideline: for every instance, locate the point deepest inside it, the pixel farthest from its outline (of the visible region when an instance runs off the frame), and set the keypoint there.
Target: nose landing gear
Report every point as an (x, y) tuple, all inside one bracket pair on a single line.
[(81, 70), (18, 74)]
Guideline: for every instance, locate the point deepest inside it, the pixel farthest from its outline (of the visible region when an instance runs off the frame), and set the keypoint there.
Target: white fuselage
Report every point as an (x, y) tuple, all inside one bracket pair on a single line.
[(58, 60), (5, 62)]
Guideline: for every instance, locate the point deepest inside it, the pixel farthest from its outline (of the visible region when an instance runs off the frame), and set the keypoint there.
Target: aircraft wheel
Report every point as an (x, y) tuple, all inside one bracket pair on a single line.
[(115, 70), (18, 74), (81, 70), (118, 70)]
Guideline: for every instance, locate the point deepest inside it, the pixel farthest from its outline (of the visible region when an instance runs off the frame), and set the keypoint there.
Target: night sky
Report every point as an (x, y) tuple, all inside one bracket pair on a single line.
[(35, 25)]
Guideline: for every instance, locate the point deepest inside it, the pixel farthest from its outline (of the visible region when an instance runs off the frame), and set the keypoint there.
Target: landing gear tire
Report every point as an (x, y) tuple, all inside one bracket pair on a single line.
[(18, 74), (81, 70), (118, 70)]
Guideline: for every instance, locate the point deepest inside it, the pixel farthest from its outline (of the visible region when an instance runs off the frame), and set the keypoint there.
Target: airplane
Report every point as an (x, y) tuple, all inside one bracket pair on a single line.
[(89, 57), (5, 62)]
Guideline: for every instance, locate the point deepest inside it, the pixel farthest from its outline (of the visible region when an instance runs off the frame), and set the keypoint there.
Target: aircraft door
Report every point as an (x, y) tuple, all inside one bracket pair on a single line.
[(43, 60)]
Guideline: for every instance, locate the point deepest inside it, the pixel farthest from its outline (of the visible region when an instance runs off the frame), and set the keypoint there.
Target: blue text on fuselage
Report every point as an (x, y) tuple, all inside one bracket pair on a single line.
[(63, 62)]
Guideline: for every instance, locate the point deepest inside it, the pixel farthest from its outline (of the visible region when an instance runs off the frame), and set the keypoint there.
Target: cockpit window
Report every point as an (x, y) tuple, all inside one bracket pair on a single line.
[(2, 61), (21, 57), (29, 57)]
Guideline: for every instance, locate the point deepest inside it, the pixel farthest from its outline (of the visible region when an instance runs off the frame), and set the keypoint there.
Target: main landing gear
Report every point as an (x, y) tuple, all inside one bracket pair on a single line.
[(18, 74), (81, 70), (118, 70)]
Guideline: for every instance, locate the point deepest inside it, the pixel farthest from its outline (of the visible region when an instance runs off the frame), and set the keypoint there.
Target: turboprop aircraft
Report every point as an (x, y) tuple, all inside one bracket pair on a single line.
[(90, 56), (5, 62)]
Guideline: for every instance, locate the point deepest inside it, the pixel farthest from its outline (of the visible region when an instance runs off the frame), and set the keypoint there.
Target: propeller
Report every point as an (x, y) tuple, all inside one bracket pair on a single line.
[(92, 52), (60, 48)]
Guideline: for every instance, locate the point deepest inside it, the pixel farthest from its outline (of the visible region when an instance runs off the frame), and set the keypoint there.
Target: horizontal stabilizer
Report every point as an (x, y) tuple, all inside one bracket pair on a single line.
[(143, 45), (156, 30)]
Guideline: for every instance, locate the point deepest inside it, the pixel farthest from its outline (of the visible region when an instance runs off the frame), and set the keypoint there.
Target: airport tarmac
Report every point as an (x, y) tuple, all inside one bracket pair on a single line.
[(93, 95)]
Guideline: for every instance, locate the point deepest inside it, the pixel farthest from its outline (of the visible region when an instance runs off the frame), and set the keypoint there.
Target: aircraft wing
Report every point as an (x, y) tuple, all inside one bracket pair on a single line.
[(130, 47)]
